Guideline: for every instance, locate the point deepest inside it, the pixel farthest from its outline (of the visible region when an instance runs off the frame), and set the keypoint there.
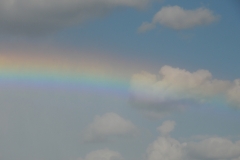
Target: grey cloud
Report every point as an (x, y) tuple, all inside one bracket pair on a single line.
[(36, 17), (107, 125)]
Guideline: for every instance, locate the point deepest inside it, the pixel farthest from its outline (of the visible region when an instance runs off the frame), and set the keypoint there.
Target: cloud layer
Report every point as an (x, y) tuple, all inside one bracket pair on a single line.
[(108, 125), (35, 17), (178, 18), (176, 88), (213, 148), (168, 148)]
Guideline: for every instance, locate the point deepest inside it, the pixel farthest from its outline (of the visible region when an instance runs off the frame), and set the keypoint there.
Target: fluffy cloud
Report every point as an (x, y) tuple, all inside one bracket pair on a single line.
[(35, 17), (176, 88), (104, 154), (166, 127), (165, 148), (108, 125), (233, 94), (177, 18), (213, 148)]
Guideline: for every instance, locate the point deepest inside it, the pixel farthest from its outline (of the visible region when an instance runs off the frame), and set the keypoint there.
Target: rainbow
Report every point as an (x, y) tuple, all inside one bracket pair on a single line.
[(82, 75), (58, 72)]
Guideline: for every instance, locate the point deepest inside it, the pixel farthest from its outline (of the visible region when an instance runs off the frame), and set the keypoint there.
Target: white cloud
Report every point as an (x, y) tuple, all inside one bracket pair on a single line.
[(109, 125), (166, 127), (213, 148), (165, 148), (104, 154), (174, 89), (34, 17), (233, 94), (177, 18), (146, 26)]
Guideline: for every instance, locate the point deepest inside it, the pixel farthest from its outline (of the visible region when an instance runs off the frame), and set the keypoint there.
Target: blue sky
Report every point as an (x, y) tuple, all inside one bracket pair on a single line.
[(178, 60)]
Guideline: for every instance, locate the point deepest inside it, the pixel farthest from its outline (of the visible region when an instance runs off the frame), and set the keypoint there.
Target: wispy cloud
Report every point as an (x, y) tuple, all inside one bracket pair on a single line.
[(166, 127), (103, 154), (108, 125), (178, 18)]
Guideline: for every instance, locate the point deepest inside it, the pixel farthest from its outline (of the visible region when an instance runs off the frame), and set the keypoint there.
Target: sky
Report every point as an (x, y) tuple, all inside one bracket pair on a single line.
[(119, 80)]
